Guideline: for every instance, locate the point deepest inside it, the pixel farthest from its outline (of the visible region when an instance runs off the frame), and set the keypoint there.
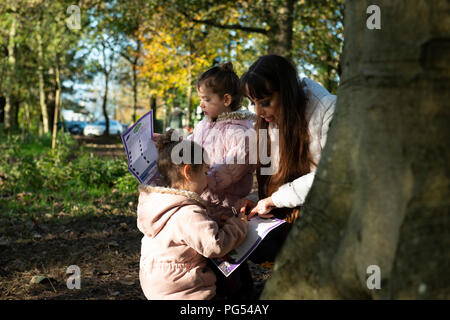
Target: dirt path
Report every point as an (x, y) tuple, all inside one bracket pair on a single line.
[(102, 146)]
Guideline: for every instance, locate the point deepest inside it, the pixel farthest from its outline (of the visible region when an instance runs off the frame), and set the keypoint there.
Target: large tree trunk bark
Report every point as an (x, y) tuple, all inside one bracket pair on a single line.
[(43, 104), (381, 192)]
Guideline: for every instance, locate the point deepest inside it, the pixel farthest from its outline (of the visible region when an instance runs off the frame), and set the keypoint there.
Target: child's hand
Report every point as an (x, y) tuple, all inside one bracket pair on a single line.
[(244, 205), (156, 136), (239, 214), (222, 219), (242, 216)]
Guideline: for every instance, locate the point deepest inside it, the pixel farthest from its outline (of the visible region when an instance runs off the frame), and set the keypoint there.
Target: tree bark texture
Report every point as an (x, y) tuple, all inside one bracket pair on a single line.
[(381, 192)]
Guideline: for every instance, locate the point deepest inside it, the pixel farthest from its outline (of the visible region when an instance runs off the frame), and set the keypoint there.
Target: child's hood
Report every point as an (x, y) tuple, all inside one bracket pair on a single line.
[(158, 204)]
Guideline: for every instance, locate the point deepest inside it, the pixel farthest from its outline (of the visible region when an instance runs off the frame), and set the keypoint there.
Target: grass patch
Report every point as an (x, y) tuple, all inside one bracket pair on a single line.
[(36, 184)]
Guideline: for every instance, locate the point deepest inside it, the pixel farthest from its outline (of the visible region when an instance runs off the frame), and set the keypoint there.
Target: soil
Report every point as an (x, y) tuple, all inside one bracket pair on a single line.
[(105, 248)]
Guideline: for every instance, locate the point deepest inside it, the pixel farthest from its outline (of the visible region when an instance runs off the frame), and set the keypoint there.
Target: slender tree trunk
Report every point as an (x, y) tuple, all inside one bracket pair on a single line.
[(105, 103), (164, 116), (15, 113), (135, 82), (27, 122), (189, 98), (280, 33), (43, 104), (381, 193), (153, 107), (11, 71), (134, 92), (57, 104), (107, 69), (189, 87), (2, 109)]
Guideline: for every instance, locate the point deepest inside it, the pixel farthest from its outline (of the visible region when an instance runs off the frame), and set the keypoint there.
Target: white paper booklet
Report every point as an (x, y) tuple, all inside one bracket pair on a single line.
[(141, 150), (257, 229)]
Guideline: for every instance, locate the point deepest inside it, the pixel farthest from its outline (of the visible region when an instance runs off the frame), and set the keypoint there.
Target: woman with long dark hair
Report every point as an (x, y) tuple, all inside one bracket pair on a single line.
[(296, 115)]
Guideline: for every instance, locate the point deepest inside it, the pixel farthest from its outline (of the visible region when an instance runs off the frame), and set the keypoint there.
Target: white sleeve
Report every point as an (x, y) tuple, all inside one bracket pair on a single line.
[(293, 194)]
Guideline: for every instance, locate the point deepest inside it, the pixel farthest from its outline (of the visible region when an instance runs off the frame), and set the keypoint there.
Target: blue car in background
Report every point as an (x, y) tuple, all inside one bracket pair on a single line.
[(98, 128), (75, 127)]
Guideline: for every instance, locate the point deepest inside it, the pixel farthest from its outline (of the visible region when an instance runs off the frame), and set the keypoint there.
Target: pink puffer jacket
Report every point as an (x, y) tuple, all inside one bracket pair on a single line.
[(225, 142), (178, 237)]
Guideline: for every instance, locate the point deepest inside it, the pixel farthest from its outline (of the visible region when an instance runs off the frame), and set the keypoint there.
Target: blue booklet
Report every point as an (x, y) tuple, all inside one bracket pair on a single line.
[(141, 150)]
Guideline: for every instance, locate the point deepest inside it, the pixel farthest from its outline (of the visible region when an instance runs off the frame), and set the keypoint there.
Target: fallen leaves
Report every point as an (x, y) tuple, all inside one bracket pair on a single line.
[(123, 227), (127, 283), (4, 241), (113, 243), (43, 280)]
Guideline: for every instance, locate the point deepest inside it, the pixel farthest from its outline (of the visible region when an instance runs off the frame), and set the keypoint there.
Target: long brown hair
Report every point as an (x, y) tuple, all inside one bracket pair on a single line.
[(267, 75)]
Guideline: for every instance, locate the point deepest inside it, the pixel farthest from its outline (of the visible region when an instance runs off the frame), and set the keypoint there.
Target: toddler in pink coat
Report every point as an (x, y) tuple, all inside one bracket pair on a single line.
[(227, 135), (179, 234)]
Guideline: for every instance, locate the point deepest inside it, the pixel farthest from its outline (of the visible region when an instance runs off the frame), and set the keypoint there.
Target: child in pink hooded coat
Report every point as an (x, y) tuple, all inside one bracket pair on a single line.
[(179, 235), (227, 135)]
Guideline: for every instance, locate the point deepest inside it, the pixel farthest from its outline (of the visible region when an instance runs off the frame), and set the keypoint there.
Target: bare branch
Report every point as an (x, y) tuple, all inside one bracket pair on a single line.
[(213, 23)]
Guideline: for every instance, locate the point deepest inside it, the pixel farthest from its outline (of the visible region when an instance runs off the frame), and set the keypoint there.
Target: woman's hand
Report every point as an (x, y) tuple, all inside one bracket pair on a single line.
[(263, 208)]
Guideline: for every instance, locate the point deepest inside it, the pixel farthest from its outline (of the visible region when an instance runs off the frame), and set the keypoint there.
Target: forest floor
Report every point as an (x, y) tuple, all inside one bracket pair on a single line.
[(106, 248)]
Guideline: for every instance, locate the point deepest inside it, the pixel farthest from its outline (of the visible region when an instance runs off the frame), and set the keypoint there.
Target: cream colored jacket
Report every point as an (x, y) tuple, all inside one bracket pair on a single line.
[(319, 112), (179, 236)]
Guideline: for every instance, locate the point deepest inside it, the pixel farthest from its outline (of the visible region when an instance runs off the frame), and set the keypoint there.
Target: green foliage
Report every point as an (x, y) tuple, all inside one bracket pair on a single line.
[(155, 48), (36, 182)]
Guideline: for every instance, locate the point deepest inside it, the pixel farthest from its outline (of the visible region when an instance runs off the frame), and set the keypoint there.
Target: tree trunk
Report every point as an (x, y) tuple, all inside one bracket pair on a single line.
[(107, 69), (189, 92), (381, 192), (57, 103), (165, 113), (134, 92), (15, 113), (153, 107), (105, 103), (280, 33), (43, 104), (10, 71), (2, 109), (189, 100), (135, 84)]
